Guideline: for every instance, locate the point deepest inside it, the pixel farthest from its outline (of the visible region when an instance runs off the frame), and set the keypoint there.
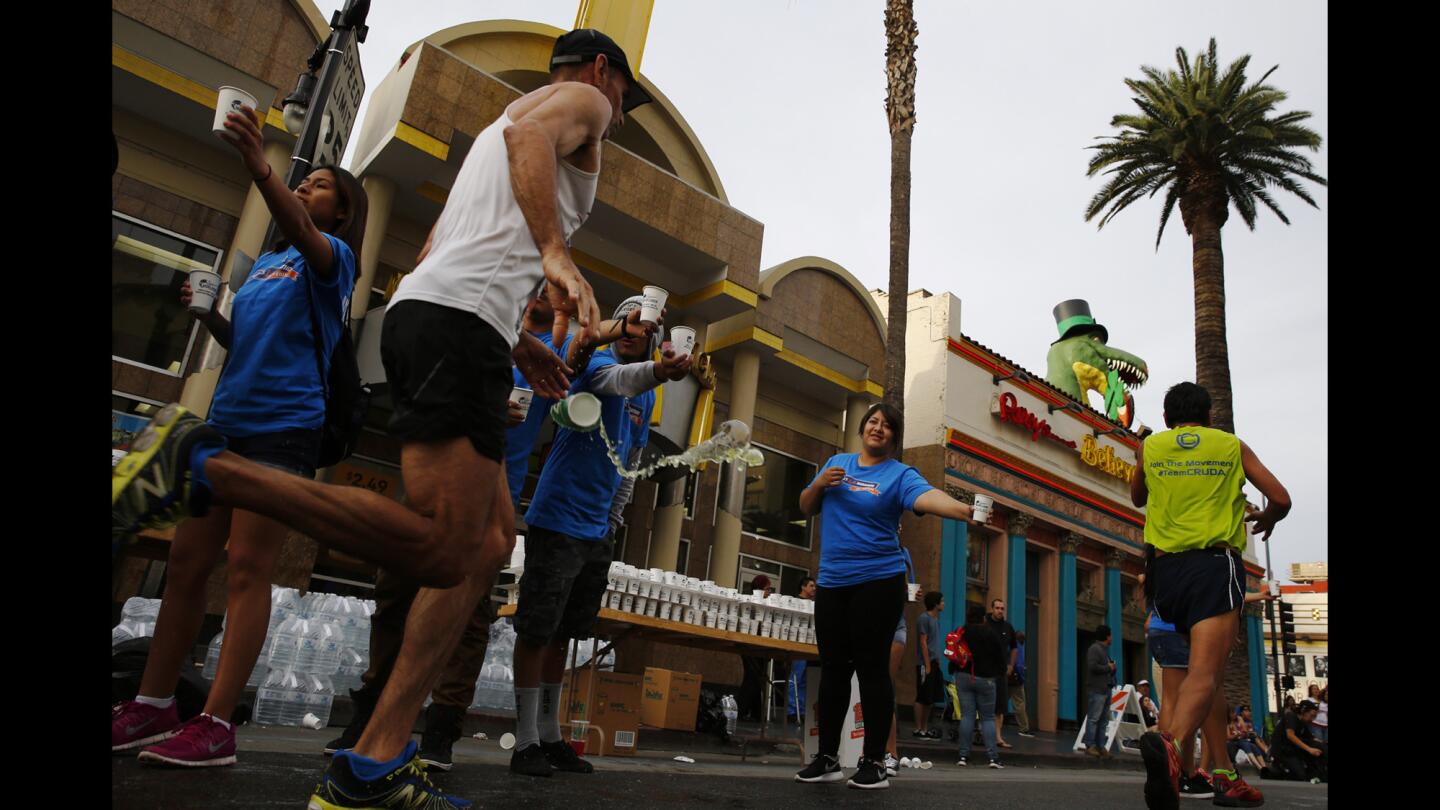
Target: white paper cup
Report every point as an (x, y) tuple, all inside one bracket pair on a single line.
[(914, 588), (682, 338), (204, 286), (983, 506), (311, 721), (579, 412), (230, 100), (507, 741), (653, 304), (522, 396)]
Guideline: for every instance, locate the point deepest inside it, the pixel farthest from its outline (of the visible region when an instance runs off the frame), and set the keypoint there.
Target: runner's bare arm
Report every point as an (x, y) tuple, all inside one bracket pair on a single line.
[(1139, 493), (541, 367), (429, 240), (1277, 504), (573, 117)]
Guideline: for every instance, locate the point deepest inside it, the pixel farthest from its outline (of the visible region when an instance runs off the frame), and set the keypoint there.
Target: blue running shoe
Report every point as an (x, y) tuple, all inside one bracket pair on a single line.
[(405, 788)]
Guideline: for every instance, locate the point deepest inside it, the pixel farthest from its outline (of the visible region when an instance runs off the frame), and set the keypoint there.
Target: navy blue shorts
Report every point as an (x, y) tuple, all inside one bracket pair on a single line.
[(1192, 586), (294, 451), (1169, 649)]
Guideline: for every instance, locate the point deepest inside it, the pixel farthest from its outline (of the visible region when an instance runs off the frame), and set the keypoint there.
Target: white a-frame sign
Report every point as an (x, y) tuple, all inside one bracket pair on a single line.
[(1125, 720)]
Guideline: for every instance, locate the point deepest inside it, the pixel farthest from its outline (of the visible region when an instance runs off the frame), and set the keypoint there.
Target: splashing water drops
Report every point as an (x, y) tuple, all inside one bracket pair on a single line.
[(731, 443)]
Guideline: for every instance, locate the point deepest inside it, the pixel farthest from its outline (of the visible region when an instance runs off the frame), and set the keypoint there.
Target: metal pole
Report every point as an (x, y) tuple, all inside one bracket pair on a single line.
[(1274, 633), (345, 26)]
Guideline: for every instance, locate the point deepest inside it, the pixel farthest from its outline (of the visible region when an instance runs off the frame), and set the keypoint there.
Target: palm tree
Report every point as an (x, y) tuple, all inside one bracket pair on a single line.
[(900, 32), (1211, 141)]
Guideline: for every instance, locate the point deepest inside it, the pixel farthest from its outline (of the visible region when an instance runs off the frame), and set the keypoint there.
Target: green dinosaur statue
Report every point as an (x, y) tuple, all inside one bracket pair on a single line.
[(1082, 361)]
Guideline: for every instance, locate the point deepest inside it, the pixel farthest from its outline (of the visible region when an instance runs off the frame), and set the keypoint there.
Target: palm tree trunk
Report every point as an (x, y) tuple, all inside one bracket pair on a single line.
[(1212, 354), (899, 268), (900, 73)]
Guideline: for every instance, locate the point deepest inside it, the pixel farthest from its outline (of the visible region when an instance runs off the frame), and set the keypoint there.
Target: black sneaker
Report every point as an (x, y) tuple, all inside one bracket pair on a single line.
[(869, 776), (151, 488), (364, 704), (405, 787), (442, 729), (918, 734), (1195, 786), (995, 763), (1025, 733), (963, 762), (823, 768), (933, 734), (530, 761), (563, 758)]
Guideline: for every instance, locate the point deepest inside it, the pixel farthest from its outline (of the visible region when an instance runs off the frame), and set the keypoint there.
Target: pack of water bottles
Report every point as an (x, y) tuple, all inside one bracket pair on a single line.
[(495, 688), (137, 620), (315, 646)]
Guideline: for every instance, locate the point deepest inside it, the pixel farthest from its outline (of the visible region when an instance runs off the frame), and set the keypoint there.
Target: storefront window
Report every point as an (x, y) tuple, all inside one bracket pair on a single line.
[(977, 559), (772, 499), (148, 326)]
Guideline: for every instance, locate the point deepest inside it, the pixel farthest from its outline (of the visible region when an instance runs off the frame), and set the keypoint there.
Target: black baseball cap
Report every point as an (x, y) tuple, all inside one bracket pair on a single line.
[(584, 44)]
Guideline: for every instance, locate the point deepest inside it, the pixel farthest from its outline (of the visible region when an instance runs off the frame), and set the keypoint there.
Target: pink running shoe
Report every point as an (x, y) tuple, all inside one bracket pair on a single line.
[(133, 724), (201, 742)]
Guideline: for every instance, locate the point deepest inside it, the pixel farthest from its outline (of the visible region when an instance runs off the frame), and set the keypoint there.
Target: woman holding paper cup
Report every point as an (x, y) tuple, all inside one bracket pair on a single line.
[(861, 593), (269, 405)]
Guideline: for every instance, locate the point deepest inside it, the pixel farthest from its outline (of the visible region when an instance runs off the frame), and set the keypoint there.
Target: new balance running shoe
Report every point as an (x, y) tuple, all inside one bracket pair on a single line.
[(405, 787), (134, 724), (1162, 770), (152, 487)]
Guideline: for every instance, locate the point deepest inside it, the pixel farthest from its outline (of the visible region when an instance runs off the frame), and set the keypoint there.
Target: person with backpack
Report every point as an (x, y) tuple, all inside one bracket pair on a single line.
[(978, 655), (269, 406), (861, 593)]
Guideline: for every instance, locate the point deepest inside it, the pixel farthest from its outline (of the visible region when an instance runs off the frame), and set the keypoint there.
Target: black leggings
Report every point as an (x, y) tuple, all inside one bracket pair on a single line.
[(853, 628)]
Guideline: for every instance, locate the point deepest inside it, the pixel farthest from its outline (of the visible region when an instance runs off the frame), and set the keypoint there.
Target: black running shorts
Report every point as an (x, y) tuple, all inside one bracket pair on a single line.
[(449, 375), (1192, 586), (564, 580)]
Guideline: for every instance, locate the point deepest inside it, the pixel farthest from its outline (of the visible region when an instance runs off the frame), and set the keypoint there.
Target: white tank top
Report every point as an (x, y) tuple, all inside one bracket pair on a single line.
[(482, 258)]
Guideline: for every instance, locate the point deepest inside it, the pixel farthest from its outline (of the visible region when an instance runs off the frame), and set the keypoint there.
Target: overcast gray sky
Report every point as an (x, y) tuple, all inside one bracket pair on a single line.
[(787, 97)]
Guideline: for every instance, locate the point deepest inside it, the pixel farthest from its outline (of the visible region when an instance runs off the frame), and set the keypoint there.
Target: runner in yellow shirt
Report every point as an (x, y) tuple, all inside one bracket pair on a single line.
[(1190, 480)]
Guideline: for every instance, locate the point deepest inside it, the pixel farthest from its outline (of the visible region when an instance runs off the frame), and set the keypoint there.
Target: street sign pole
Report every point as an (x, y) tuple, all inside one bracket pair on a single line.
[(1274, 632), (347, 29)]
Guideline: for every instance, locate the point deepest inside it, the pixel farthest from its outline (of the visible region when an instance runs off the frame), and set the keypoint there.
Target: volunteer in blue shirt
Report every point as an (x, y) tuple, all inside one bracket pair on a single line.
[(569, 543), (861, 594), (269, 405)]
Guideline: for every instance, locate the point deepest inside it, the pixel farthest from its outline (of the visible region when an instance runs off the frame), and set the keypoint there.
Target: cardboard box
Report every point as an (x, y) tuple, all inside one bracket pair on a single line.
[(615, 709), (671, 700)]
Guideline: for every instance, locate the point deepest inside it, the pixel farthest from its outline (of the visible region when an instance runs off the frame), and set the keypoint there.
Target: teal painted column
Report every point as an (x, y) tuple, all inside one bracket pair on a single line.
[(1255, 646), (1068, 674), (1015, 576), (1112, 612), (954, 558)]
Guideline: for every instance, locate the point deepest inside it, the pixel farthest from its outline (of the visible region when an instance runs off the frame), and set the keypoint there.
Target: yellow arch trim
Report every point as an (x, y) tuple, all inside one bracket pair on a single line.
[(800, 361), (161, 76)]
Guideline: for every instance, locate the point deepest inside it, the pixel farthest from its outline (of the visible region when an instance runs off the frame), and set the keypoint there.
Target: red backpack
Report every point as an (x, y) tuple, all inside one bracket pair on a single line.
[(957, 651)]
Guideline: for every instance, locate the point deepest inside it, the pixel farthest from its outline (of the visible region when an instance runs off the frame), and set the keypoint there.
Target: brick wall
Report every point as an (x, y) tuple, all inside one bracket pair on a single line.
[(823, 307)]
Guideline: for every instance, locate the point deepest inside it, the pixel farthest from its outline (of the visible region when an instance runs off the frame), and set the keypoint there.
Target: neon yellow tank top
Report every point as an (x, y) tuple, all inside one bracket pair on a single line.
[(1195, 479)]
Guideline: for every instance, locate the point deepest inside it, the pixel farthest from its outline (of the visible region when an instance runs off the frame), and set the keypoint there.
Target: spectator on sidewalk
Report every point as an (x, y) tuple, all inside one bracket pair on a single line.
[(1321, 724), (1147, 706), (796, 698), (929, 679), (1100, 681), (976, 686), (1296, 751), (754, 667), (1017, 687), (1006, 631)]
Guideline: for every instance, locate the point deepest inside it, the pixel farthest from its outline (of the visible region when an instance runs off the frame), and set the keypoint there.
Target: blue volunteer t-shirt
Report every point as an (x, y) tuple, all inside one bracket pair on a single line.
[(860, 520), (270, 382), (579, 481), (520, 440)]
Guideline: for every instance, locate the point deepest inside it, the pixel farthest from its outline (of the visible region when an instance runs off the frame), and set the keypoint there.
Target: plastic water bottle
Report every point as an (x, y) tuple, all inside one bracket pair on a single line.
[(731, 709), (139, 609), (212, 656), (319, 697), (285, 642), (319, 651), (281, 700), (353, 664)]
